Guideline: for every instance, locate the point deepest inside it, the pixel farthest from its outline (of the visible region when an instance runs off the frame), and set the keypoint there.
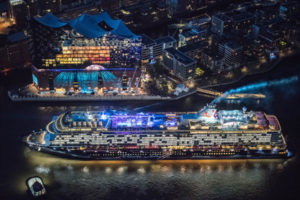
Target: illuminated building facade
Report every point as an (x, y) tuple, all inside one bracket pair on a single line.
[(210, 59), (180, 64), (17, 9), (233, 54), (14, 51), (86, 80), (191, 36), (74, 47), (219, 23), (152, 50)]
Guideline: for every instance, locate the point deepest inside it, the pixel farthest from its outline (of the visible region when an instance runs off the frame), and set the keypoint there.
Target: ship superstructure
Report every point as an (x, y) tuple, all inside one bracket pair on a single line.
[(209, 133)]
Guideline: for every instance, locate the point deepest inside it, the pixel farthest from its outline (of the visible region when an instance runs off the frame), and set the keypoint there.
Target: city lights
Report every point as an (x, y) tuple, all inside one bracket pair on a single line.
[(156, 99)]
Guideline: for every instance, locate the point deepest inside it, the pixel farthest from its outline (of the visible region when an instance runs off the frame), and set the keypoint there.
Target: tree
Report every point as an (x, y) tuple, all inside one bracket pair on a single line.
[(164, 86), (173, 85), (199, 71)]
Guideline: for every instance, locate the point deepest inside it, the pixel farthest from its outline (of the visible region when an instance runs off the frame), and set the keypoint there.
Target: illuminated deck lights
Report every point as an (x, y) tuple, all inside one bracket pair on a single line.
[(227, 121)]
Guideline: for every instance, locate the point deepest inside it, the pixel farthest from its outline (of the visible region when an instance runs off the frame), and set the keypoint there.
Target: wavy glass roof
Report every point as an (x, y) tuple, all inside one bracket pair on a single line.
[(90, 26), (51, 21)]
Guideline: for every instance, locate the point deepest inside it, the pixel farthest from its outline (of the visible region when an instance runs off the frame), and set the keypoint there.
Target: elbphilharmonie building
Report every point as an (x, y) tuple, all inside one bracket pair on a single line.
[(85, 53)]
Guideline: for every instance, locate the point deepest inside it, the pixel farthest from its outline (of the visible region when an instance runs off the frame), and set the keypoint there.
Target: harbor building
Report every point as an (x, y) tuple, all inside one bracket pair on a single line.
[(83, 54), (232, 52), (13, 51), (212, 60), (152, 49), (232, 21), (219, 23), (180, 64), (191, 36)]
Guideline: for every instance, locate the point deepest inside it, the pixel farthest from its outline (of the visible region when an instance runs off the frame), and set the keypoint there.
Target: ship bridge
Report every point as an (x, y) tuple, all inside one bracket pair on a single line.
[(209, 118)]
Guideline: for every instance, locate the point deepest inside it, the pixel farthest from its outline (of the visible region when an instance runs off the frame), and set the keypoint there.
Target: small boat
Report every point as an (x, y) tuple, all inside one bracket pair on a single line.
[(36, 186)]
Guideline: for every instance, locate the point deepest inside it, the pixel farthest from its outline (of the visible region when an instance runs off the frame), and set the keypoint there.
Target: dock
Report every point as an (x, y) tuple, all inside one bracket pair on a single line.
[(231, 96), (209, 92)]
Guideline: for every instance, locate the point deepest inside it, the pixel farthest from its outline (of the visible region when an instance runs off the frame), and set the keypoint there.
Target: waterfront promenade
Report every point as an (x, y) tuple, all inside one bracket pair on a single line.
[(200, 88), (15, 97)]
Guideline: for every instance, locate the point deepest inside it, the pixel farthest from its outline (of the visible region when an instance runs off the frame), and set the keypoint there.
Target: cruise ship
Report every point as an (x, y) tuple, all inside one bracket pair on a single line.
[(117, 135)]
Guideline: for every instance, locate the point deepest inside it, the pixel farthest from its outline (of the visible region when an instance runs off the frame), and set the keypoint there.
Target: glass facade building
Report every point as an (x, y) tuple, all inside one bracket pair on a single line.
[(94, 49)]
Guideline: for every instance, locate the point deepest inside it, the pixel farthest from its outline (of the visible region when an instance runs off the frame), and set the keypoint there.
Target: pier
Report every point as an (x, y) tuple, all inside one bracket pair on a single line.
[(232, 96), (16, 98), (209, 92)]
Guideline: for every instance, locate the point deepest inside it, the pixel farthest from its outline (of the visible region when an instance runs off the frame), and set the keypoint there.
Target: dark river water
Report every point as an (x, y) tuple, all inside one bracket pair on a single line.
[(218, 179)]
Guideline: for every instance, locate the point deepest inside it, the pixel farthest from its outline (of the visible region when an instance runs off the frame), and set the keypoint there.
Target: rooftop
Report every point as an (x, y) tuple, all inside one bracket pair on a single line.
[(212, 53), (181, 57), (189, 33), (3, 6), (146, 40), (165, 39), (16, 37), (268, 36), (90, 26), (194, 46), (222, 17), (241, 17), (233, 45), (51, 21)]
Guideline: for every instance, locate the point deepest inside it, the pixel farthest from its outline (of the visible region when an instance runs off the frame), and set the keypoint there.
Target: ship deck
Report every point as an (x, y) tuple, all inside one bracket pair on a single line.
[(156, 123)]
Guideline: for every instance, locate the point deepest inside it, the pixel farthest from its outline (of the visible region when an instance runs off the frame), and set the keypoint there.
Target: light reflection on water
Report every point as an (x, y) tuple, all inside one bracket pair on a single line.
[(119, 179), (214, 179), (186, 179)]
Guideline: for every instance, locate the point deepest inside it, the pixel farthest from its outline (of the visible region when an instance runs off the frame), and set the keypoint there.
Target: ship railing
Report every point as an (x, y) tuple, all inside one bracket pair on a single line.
[(166, 154), (61, 128), (277, 121), (228, 131), (284, 141), (61, 121), (48, 128), (148, 131), (58, 122)]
